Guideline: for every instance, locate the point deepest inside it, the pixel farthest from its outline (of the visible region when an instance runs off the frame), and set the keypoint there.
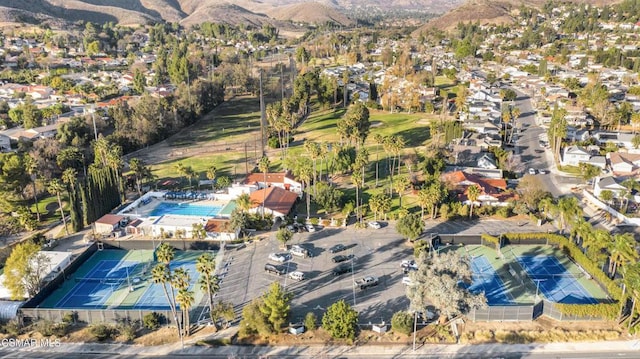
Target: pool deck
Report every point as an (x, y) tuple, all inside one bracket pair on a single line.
[(147, 209)]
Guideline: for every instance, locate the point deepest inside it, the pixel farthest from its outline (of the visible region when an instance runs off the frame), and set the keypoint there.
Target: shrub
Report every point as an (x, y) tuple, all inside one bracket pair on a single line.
[(504, 212), (102, 331), (151, 321), (69, 318), (310, 321), (13, 328), (402, 322), (419, 247), (463, 211), (129, 329), (314, 221), (48, 328)]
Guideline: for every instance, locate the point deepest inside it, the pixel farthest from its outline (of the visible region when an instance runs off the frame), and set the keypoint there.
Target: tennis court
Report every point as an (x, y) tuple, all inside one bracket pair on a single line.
[(154, 298), (101, 282), (486, 279), (120, 279), (554, 281)]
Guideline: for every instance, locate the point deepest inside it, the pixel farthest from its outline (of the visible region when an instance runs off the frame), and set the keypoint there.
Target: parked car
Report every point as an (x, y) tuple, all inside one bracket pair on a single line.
[(297, 275), (299, 251), (374, 225), (310, 228), (342, 258), (407, 281), (532, 171), (342, 269), (275, 269), (409, 264), (542, 172), (366, 282), (279, 257), (337, 248)]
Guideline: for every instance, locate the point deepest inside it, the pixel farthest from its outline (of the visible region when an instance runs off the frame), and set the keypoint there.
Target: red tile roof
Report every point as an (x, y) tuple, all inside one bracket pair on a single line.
[(276, 199), (218, 226), (110, 219), (257, 177)]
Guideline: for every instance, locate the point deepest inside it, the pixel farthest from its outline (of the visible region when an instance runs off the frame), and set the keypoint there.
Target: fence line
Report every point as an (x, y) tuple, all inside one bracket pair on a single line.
[(95, 316)]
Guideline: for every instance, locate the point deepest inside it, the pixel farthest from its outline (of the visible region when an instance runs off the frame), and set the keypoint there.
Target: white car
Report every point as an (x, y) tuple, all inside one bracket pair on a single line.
[(532, 171), (542, 172), (279, 257), (311, 228), (296, 275), (374, 225)]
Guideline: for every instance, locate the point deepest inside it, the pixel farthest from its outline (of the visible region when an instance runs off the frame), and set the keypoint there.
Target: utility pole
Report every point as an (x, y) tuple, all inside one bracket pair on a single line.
[(263, 116)]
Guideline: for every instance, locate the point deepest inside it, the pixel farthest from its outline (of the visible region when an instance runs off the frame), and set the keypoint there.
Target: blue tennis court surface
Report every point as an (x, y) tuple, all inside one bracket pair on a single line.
[(185, 209), (485, 279), (93, 294), (154, 297), (555, 282)]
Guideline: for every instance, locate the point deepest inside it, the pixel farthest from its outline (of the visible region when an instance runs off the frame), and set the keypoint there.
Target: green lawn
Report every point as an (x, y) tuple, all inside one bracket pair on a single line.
[(227, 164)]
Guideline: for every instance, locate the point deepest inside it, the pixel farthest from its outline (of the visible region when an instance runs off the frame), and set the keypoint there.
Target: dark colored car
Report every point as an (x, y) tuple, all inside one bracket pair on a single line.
[(275, 269), (341, 258), (342, 269), (337, 248)]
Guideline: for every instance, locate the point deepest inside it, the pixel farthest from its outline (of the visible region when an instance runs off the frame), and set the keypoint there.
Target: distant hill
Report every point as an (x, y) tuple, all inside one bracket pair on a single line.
[(490, 12), (189, 12), (309, 12)]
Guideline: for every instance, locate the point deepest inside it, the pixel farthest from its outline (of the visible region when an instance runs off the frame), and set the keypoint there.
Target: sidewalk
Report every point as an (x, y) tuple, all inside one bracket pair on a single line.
[(325, 351)]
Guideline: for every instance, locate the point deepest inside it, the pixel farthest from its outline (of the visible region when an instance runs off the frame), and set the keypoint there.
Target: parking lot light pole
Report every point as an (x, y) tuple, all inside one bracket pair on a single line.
[(415, 328)]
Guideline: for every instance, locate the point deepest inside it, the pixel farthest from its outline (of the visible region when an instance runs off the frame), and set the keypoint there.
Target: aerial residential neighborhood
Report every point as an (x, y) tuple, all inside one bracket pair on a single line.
[(352, 179)]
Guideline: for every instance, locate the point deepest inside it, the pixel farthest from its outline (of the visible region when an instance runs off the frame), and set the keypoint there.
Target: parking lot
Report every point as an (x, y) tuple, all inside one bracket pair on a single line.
[(377, 252)]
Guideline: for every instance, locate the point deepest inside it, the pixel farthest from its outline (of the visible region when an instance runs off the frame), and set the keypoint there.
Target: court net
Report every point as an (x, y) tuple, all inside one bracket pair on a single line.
[(113, 281)]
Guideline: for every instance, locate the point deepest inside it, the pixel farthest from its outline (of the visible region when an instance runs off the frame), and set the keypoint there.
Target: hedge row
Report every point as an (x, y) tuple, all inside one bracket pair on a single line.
[(602, 310)]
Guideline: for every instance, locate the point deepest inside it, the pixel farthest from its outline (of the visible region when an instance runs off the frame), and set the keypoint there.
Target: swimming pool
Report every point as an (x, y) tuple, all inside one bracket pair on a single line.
[(185, 209)]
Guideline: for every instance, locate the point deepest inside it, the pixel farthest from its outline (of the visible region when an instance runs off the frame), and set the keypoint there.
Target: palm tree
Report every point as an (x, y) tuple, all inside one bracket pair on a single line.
[(165, 253), (31, 166), (631, 280), (595, 242), (198, 231), (548, 207), (55, 186), (581, 229), (423, 199), (621, 252), (181, 170), (206, 266), (400, 185), (263, 166), (140, 172), (473, 192), (185, 298), (180, 282), (568, 208), (244, 202), (304, 173), (356, 179), (211, 175), (161, 275)]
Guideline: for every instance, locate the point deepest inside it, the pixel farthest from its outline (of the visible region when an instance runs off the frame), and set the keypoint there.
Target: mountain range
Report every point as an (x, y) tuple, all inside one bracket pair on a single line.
[(189, 12)]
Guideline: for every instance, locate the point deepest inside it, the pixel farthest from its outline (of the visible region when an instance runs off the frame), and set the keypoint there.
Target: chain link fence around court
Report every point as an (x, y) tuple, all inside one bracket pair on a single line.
[(95, 316)]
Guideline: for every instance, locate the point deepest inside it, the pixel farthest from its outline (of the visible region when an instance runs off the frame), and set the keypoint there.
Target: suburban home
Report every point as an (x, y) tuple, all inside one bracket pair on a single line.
[(487, 161), (624, 140), (623, 163), (284, 180), (108, 223), (492, 191), (221, 229), (607, 183), (277, 201), (574, 155)]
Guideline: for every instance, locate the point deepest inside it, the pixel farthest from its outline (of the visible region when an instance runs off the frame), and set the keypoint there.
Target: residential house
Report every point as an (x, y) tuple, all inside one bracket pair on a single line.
[(487, 161), (493, 191), (284, 180), (574, 155), (623, 140), (609, 183), (277, 201), (624, 164)]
